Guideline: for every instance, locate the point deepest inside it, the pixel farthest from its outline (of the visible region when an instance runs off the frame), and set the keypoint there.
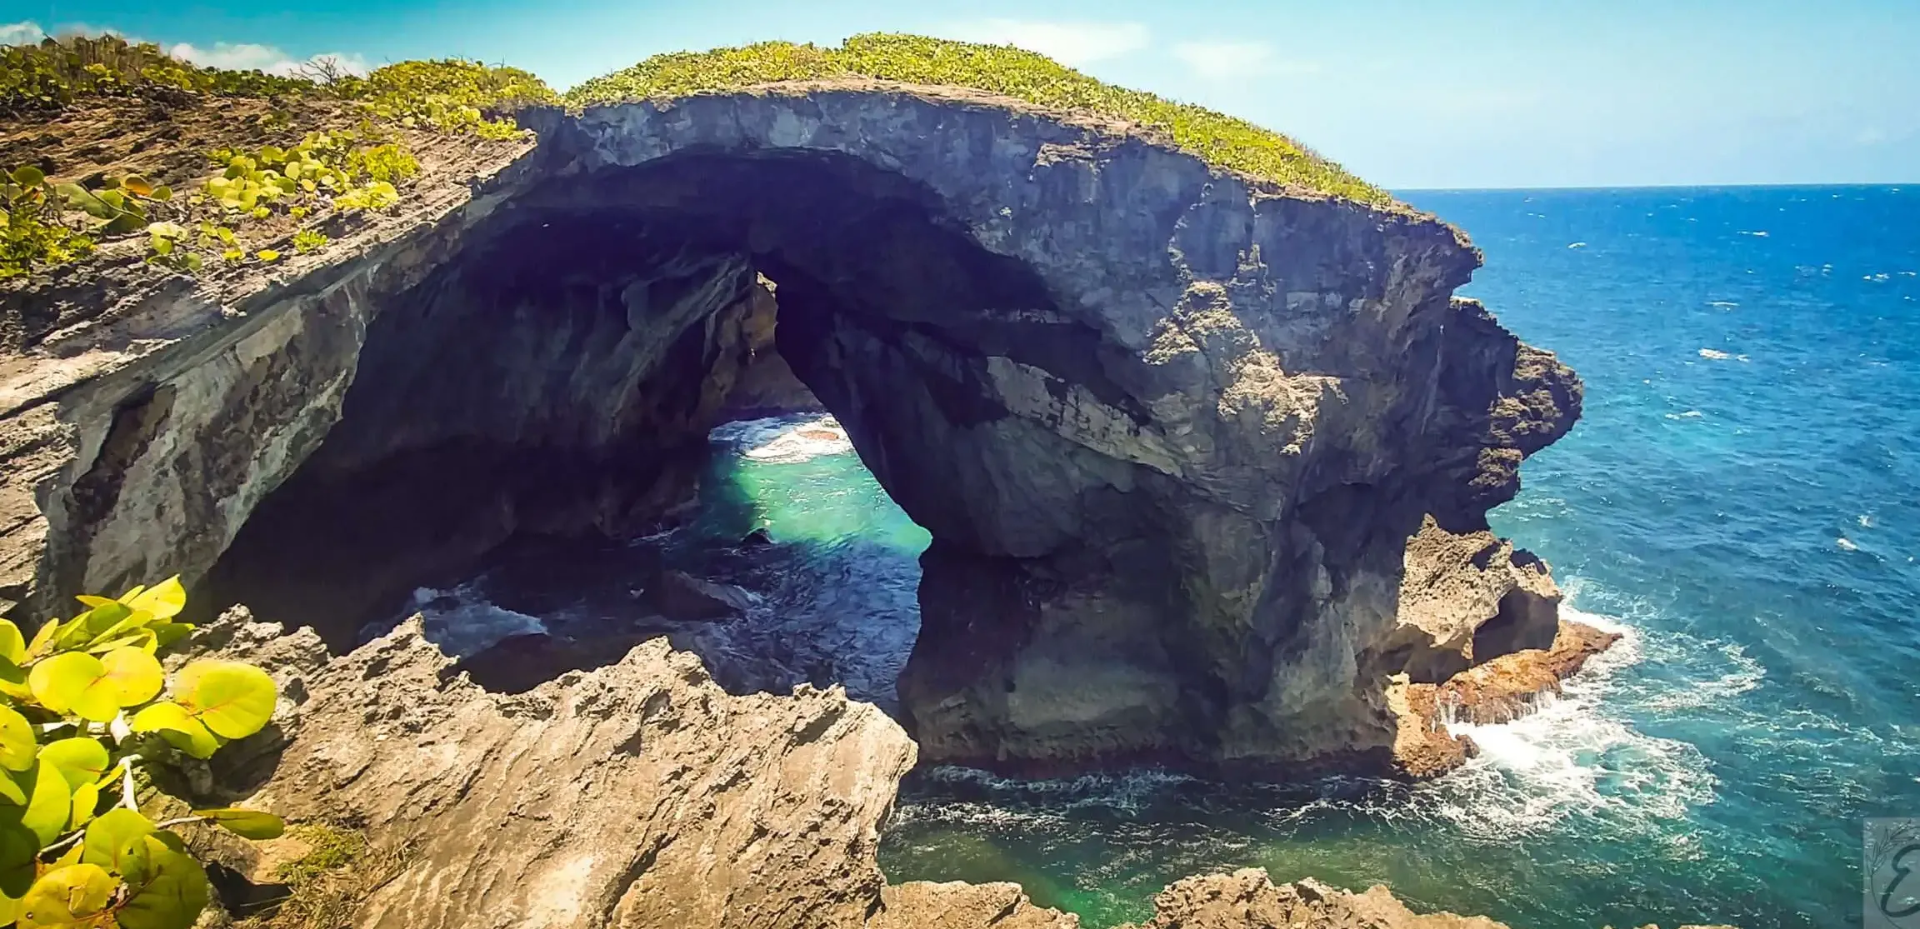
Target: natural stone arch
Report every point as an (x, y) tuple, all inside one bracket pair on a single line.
[(1172, 429)]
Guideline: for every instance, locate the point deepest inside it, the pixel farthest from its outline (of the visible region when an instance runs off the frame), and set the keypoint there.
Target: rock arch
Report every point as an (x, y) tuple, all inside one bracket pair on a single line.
[(1206, 461)]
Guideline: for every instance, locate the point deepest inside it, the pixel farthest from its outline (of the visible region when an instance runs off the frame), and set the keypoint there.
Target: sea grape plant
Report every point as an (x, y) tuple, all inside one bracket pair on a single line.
[(32, 232), (83, 707)]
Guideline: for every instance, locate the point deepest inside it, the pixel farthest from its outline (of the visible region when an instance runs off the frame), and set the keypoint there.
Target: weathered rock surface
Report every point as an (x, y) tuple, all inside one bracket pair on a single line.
[(1172, 429), (1248, 899), (636, 795)]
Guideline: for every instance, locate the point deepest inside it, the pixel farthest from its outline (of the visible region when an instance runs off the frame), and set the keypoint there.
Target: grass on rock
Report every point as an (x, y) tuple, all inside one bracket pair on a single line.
[(1220, 140)]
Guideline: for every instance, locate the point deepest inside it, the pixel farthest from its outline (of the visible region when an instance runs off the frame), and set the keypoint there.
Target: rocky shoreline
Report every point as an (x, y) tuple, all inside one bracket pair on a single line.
[(1206, 460), (635, 795)]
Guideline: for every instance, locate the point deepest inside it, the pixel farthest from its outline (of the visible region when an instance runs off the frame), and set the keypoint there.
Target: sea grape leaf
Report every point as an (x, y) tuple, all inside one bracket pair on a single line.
[(13, 681), (79, 759), (19, 849), (76, 895), (17, 744), (177, 726), (96, 688), (134, 676), (111, 839), (13, 645), (48, 806), (168, 889), (86, 801), (249, 824), (166, 599), (231, 698)]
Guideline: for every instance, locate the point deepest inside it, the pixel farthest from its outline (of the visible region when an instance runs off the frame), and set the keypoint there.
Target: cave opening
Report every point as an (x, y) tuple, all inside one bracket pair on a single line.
[(544, 398)]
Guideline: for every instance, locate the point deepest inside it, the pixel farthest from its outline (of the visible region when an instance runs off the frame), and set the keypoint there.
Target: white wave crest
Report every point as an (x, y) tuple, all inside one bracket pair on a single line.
[(784, 439), (463, 623), (1570, 757)]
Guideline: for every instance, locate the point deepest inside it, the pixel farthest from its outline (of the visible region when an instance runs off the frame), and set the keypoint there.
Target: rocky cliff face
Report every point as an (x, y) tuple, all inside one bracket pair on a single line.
[(1205, 461)]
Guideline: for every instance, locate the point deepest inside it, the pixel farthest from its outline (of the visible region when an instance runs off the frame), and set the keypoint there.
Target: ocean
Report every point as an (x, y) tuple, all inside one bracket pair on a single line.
[(1739, 500)]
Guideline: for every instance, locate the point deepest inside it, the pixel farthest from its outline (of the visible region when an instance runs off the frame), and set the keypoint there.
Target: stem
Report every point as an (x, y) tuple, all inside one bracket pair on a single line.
[(63, 844), (126, 783), (179, 821)]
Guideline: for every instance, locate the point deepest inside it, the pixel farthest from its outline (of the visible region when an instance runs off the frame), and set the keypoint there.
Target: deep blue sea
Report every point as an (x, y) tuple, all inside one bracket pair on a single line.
[(1742, 500)]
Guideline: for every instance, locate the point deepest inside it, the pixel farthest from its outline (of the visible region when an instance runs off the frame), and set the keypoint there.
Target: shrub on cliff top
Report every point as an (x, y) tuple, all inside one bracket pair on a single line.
[(82, 707), (56, 72), (1219, 139)]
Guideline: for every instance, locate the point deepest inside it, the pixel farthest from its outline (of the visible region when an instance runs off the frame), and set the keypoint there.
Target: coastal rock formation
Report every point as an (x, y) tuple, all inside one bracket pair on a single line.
[(1248, 899), (634, 795), (1206, 460)]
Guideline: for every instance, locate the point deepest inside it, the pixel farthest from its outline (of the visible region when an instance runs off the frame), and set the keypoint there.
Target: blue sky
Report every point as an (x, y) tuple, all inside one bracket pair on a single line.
[(1474, 93)]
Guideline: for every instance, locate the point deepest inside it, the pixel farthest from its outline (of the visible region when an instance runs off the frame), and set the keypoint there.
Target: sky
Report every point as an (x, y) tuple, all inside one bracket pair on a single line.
[(1410, 95)]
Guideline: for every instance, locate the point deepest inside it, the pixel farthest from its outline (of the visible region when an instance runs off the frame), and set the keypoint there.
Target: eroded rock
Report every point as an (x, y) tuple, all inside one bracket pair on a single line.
[(1206, 461), (635, 795)]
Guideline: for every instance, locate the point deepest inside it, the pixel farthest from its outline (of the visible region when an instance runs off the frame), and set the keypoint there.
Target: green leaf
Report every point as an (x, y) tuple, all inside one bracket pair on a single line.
[(17, 745), (42, 637), (231, 698), (124, 223), (168, 889), (166, 599), (49, 803), (177, 726), (166, 634), (76, 895), (29, 176), (80, 760), (113, 837), (13, 645), (13, 681), (96, 688), (162, 193), (250, 824), (267, 254), (18, 849), (86, 800)]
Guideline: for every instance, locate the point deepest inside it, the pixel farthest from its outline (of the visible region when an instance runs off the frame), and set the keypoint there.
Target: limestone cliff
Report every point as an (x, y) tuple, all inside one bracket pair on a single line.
[(1206, 459)]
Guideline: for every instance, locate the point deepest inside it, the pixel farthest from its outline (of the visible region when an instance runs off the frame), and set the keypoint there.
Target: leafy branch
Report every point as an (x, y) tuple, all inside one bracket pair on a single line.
[(82, 707)]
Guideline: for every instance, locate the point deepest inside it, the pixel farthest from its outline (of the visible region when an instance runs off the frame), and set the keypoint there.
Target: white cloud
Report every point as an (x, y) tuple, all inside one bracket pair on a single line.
[(21, 33), (1070, 43), (1219, 61), (244, 56)]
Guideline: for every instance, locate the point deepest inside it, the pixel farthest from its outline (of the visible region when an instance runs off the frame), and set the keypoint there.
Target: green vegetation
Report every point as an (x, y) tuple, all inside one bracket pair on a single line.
[(56, 72), (31, 230), (81, 712), (1219, 139), (328, 882), (450, 95), (329, 172)]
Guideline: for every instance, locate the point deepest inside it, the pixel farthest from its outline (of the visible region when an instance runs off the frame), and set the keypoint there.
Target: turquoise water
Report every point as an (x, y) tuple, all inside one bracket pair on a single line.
[(1740, 499)]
